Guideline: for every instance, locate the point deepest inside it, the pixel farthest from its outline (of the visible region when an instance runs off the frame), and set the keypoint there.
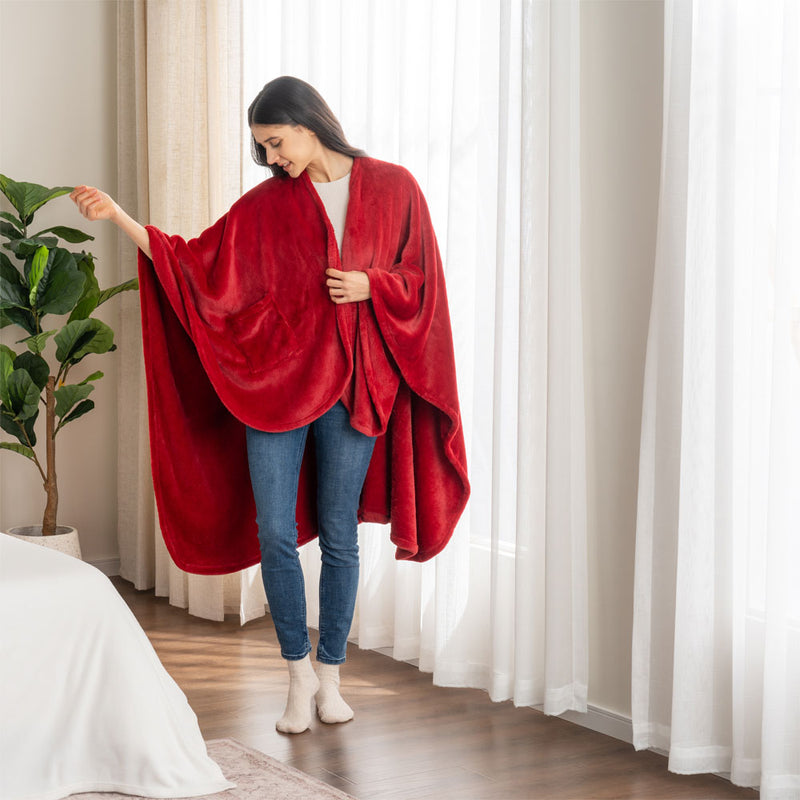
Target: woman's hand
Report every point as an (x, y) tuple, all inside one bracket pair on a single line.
[(348, 287), (93, 203)]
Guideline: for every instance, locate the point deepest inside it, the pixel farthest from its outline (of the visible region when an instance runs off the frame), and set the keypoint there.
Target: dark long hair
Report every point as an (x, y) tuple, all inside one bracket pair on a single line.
[(290, 101)]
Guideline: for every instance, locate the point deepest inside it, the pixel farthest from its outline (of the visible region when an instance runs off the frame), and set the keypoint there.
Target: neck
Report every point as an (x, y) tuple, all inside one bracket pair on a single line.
[(329, 166)]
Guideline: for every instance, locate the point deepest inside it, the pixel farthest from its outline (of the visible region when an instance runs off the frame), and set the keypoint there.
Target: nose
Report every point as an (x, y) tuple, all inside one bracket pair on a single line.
[(272, 154)]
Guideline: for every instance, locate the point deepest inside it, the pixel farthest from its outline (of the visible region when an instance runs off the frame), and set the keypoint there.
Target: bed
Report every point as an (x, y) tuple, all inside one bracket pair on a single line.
[(85, 704)]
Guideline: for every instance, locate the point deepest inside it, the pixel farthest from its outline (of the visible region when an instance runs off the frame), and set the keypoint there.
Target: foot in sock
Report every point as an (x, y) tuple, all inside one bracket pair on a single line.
[(303, 685), (331, 707)]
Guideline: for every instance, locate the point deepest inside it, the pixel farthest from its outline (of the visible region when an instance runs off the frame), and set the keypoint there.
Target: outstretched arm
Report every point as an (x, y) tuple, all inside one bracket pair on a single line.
[(95, 205)]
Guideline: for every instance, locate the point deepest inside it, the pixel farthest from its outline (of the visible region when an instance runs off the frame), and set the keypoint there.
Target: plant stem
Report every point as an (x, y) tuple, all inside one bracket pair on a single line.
[(50, 483)]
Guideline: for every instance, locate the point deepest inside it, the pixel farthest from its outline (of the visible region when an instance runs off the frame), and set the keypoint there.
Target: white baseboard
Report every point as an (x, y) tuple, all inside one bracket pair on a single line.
[(601, 721), (595, 719), (108, 566)]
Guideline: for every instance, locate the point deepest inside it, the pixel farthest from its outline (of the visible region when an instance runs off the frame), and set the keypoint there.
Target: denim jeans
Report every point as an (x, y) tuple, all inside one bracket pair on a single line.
[(343, 455)]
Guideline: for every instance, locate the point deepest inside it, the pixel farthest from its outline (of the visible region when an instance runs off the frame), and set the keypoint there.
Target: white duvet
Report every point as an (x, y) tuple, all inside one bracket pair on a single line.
[(85, 704)]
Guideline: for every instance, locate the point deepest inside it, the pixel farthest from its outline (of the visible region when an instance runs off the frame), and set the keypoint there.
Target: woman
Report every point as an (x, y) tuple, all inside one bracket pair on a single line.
[(325, 343)]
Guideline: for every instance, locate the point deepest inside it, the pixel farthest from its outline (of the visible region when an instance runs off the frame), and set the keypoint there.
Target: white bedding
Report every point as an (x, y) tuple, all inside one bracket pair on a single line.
[(85, 704)]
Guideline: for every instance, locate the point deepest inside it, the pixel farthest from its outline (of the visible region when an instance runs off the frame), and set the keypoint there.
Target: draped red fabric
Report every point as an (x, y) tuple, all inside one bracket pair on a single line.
[(239, 329)]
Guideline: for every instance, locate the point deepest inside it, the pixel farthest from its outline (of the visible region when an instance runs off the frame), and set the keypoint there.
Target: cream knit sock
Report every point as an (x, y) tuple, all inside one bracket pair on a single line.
[(303, 685), (330, 705)]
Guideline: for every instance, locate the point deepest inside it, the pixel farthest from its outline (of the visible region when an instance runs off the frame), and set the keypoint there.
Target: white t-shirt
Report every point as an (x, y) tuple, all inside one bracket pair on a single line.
[(334, 196)]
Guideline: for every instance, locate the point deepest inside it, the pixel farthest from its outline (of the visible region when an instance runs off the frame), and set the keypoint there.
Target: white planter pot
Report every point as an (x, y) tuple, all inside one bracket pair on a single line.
[(65, 539)]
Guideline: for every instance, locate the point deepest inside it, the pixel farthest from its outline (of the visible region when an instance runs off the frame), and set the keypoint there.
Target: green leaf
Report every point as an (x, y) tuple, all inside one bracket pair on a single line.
[(9, 264), (95, 376), (6, 355), (85, 306), (37, 271), (26, 247), (91, 291), (81, 337), (24, 433), (71, 338), (12, 296), (71, 235), (64, 285), (13, 292), (68, 396), (22, 449), (37, 343), (7, 358), (85, 262), (107, 294), (82, 408), (28, 197), (35, 366), (12, 219), (9, 231), (57, 259), (18, 316), (8, 267), (23, 394)]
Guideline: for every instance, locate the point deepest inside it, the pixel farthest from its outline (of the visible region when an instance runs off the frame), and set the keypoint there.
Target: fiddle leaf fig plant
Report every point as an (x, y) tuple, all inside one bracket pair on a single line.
[(46, 279)]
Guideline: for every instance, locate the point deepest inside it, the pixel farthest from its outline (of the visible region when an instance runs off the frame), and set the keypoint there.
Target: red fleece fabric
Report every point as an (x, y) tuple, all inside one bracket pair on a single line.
[(239, 329)]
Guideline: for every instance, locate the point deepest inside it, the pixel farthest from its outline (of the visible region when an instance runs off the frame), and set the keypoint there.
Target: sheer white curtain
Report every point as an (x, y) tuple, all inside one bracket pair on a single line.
[(479, 99), (180, 128), (716, 652)]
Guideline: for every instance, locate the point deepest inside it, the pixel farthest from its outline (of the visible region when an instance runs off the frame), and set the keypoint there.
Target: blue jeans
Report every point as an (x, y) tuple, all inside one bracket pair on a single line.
[(343, 455)]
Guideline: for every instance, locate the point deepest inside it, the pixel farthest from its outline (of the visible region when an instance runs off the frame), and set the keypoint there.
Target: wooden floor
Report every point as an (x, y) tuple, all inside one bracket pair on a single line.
[(409, 739)]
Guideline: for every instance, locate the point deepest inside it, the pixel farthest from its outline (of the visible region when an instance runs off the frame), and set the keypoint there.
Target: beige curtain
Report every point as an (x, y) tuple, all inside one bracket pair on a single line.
[(180, 166)]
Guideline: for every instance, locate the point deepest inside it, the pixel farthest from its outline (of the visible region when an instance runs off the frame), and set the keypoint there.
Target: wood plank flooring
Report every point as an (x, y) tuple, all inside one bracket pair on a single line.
[(410, 740)]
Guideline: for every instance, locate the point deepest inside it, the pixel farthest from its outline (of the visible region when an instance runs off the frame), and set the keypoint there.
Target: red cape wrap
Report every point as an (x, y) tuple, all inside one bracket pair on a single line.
[(238, 328)]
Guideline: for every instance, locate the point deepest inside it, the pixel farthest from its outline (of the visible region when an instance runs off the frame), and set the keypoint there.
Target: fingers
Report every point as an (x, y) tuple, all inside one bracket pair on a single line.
[(337, 291), (91, 202), (82, 193), (347, 287), (84, 197), (335, 284)]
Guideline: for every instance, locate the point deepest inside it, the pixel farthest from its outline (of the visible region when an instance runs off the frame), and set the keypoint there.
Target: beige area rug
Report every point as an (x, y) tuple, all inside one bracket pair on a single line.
[(257, 777)]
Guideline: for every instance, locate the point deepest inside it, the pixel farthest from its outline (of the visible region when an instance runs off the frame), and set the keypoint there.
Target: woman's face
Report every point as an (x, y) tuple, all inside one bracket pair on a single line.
[(291, 147)]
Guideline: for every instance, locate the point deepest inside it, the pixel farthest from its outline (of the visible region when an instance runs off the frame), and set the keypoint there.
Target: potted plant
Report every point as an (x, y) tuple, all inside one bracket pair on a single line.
[(45, 280)]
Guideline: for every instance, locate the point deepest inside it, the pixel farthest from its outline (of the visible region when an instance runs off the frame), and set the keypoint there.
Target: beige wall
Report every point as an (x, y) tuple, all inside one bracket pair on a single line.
[(58, 106), (621, 74), (66, 134)]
